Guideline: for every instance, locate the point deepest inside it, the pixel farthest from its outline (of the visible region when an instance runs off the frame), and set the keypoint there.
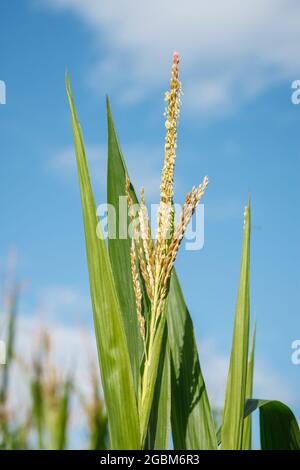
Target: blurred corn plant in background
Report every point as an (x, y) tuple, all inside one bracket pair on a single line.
[(151, 376), (95, 415), (50, 399), (13, 432), (43, 422)]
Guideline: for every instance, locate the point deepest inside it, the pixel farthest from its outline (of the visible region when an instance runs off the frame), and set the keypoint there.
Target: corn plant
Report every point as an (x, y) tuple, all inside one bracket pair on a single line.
[(13, 434), (50, 400), (150, 369), (95, 415), (12, 302), (42, 423)]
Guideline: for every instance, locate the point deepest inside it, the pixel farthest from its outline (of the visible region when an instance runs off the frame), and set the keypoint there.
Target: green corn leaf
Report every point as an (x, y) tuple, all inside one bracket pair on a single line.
[(279, 429), (119, 248), (247, 427), (233, 415), (156, 434), (159, 422), (61, 431), (199, 417), (38, 414), (150, 375), (116, 372), (192, 423)]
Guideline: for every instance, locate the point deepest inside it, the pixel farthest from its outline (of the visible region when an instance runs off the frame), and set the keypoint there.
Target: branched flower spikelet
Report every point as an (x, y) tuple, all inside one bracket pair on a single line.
[(155, 261)]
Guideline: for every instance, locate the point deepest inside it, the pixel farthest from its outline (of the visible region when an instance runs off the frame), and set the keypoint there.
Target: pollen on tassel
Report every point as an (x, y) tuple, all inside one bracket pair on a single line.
[(175, 57)]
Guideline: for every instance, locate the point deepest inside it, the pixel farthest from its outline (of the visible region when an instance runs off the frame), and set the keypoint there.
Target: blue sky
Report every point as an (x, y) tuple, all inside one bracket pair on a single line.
[(238, 125)]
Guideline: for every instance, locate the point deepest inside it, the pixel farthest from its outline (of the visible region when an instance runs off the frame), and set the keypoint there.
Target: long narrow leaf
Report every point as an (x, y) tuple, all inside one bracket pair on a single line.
[(192, 423), (196, 429), (119, 246), (247, 428), (62, 420), (151, 379), (38, 415), (159, 423), (116, 373), (233, 416), (158, 431)]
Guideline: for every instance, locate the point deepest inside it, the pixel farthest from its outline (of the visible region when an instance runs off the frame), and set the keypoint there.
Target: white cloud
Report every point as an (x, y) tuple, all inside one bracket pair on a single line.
[(64, 161), (268, 382), (72, 347), (143, 164), (230, 50), (64, 303), (63, 164)]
